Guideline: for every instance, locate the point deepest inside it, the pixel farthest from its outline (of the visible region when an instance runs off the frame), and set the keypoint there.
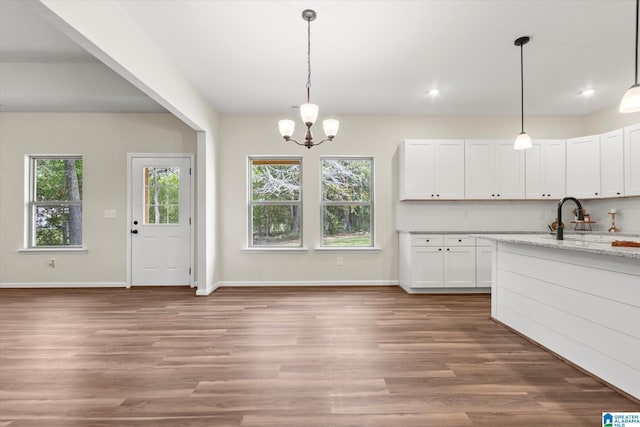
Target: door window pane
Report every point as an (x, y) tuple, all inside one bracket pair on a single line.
[(161, 195)]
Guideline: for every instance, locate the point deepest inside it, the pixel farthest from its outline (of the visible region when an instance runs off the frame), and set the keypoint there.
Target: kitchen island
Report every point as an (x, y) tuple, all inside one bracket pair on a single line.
[(578, 297)]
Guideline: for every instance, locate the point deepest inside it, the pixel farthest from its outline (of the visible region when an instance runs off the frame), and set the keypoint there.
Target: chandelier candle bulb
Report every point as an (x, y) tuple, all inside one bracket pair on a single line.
[(286, 128), (612, 211), (330, 127)]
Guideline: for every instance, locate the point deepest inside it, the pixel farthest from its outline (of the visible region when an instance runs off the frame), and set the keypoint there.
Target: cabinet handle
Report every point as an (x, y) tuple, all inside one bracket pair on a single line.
[(459, 240), (439, 249), (596, 194), (428, 240), (437, 195), (498, 195), (432, 195), (493, 195), (618, 193), (447, 249)]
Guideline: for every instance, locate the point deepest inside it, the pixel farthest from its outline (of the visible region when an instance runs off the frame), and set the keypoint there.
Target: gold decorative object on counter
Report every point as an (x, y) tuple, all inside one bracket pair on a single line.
[(613, 228)]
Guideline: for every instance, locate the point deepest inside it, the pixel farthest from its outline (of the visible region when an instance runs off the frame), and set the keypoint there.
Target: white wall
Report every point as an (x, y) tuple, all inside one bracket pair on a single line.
[(379, 136), (103, 140)]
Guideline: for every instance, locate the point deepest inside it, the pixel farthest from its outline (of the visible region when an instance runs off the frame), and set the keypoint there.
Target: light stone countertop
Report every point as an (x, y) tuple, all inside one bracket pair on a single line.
[(591, 243)]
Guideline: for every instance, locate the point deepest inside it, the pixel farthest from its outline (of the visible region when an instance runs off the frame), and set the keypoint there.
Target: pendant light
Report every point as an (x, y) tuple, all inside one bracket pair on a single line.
[(523, 140), (308, 111), (631, 100)]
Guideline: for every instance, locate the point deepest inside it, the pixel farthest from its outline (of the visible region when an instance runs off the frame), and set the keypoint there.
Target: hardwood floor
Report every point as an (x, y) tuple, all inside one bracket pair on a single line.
[(371, 356)]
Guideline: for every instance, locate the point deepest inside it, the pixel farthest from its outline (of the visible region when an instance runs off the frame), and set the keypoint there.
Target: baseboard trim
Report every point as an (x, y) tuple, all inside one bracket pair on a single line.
[(35, 285), (303, 283), (208, 290)]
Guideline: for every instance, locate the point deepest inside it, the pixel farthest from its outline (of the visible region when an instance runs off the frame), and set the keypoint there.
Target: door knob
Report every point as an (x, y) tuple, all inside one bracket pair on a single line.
[(134, 231)]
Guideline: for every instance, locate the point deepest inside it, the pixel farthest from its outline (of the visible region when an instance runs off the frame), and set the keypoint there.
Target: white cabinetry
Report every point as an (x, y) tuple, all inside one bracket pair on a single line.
[(546, 169), (612, 164), (483, 263), (459, 261), (431, 169), (583, 167), (436, 261), (493, 170), (632, 160)]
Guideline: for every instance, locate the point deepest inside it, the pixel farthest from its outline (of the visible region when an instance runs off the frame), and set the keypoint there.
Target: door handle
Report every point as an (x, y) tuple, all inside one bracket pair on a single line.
[(134, 231)]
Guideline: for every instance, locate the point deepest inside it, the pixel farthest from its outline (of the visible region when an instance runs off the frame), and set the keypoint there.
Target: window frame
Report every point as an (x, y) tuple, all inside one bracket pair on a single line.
[(370, 204), (251, 203), (33, 204)]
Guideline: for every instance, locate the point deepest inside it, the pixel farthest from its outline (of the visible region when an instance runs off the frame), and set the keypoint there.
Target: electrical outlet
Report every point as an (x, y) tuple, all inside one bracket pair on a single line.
[(109, 213), (340, 261), (52, 262)]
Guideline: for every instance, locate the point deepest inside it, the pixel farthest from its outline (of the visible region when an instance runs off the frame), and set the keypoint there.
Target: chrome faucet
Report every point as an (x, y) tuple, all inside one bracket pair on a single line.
[(560, 228)]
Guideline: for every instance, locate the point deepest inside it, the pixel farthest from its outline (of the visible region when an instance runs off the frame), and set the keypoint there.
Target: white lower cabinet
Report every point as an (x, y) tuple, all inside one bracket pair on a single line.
[(438, 261), (483, 263)]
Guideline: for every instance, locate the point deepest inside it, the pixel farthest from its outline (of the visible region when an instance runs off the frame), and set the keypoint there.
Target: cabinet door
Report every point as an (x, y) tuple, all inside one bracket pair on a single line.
[(417, 174), (554, 168), (534, 177), (450, 169), (612, 164), (426, 267), (479, 174), (459, 267), (509, 170), (583, 167), (632, 160), (483, 266)]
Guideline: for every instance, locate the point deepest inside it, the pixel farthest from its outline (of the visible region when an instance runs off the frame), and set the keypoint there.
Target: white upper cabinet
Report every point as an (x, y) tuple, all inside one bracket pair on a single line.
[(493, 170), (632, 160), (546, 169), (612, 164), (431, 169), (583, 167)]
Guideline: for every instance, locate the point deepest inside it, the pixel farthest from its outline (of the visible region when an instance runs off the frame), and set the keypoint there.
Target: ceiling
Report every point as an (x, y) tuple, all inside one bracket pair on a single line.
[(367, 57)]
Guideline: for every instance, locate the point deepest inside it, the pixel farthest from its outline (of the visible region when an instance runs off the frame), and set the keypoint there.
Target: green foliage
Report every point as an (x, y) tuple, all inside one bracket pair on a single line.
[(58, 192), (276, 224), (346, 193), (163, 195)]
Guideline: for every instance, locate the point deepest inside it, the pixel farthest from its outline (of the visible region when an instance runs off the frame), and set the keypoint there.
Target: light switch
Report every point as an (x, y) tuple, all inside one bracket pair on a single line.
[(109, 213)]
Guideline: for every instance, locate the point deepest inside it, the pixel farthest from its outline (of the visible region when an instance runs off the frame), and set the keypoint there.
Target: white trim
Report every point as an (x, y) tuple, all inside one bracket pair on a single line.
[(190, 156), (311, 283), (273, 249), (208, 290), (26, 285), (347, 249), (52, 250)]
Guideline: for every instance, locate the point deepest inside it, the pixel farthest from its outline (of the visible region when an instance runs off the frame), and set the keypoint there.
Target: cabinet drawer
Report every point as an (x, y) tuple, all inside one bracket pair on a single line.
[(426, 240), (459, 240)]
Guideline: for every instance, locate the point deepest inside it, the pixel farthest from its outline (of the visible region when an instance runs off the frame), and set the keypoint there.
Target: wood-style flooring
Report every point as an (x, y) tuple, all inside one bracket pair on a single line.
[(335, 356)]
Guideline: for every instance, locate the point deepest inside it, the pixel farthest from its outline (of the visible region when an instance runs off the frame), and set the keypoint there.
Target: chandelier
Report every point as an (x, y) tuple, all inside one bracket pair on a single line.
[(308, 111)]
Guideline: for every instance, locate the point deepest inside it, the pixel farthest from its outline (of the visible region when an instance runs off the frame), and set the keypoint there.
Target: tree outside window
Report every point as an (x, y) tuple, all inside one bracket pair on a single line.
[(347, 202), (275, 203), (56, 201)]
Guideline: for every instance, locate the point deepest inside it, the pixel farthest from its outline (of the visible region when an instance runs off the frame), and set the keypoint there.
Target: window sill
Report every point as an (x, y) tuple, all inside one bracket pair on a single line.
[(34, 251), (347, 249), (275, 250)]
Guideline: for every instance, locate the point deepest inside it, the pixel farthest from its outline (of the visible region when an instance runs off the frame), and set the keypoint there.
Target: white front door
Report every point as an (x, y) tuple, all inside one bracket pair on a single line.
[(160, 220)]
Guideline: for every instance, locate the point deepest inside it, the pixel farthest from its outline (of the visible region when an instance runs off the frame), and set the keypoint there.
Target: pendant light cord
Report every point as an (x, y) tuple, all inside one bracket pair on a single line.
[(309, 60), (637, 13), (522, 85)]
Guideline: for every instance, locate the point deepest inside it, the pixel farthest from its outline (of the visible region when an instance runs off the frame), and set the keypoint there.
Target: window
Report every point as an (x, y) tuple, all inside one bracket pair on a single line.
[(161, 195), (55, 201), (347, 202), (275, 202)]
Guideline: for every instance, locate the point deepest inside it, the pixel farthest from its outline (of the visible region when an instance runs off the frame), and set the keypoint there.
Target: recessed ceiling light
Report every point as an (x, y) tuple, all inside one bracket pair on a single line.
[(433, 92), (587, 92)]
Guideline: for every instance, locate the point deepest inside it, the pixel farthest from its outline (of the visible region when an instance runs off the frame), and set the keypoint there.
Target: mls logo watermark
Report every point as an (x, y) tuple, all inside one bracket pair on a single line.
[(621, 419)]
